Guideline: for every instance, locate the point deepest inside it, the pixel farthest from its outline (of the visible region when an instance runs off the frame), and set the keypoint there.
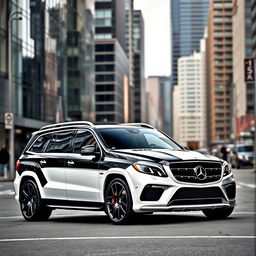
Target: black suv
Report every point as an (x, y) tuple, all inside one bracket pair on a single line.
[(120, 169)]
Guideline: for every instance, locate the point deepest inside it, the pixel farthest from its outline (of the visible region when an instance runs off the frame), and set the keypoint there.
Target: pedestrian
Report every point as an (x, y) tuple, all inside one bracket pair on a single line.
[(4, 160), (224, 152)]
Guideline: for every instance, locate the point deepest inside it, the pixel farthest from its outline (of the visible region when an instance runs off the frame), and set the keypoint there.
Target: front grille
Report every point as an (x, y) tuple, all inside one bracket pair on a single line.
[(185, 171), (211, 195)]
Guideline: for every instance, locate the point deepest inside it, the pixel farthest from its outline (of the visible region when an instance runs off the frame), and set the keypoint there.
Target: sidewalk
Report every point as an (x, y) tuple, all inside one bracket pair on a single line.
[(2, 179)]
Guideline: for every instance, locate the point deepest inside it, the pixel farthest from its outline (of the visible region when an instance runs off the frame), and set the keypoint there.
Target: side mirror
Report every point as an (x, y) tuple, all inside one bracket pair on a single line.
[(88, 150)]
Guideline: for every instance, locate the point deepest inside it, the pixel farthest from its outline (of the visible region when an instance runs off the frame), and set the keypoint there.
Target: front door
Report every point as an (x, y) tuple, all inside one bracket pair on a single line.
[(82, 173)]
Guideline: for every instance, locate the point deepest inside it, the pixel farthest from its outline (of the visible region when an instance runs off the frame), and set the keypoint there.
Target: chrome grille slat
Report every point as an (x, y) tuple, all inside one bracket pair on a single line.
[(184, 172)]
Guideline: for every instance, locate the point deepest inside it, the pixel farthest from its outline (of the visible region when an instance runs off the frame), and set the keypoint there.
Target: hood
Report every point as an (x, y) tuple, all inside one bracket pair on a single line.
[(163, 154)]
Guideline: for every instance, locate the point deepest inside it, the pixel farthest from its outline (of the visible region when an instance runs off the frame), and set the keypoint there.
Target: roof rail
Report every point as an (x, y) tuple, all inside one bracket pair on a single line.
[(139, 124), (66, 124)]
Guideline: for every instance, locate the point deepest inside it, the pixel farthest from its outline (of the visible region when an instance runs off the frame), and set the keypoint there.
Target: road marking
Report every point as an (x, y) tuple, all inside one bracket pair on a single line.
[(247, 185), (7, 192), (121, 237)]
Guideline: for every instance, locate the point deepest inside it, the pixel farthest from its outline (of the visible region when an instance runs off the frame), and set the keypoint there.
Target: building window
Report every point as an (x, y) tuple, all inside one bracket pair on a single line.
[(104, 78), (107, 97)]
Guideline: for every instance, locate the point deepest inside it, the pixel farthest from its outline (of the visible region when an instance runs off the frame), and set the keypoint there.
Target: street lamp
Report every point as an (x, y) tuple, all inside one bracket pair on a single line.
[(13, 16)]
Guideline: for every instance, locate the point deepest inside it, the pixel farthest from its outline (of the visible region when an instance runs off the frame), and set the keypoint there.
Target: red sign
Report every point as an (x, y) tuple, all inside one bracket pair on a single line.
[(244, 123)]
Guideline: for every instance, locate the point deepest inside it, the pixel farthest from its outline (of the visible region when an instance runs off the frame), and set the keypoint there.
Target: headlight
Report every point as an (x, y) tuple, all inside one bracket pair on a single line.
[(227, 169), (150, 168), (240, 157)]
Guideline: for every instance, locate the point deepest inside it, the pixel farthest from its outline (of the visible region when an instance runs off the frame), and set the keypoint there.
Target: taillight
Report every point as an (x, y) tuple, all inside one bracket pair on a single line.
[(18, 163)]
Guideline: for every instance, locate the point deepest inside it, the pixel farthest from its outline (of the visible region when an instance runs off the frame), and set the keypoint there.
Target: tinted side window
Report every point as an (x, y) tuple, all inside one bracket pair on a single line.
[(41, 143), (61, 142), (83, 138)]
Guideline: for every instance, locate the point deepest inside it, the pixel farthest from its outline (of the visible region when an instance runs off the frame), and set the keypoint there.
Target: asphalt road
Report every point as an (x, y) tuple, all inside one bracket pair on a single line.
[(90, 233)]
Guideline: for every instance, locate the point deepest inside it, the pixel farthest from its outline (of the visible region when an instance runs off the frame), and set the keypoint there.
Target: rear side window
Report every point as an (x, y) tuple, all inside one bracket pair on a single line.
[(60, 142), (41, 143), (83, 138)]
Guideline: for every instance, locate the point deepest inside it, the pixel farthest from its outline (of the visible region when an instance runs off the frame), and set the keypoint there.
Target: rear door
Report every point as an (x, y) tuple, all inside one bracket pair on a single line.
[(53, 164), (82, 172)]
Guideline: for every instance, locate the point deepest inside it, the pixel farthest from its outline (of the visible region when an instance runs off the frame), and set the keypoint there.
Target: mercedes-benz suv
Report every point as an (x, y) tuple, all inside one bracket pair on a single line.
[(123, 169)]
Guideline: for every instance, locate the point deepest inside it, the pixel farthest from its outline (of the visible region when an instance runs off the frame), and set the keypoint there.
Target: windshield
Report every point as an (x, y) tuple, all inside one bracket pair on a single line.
[(245, 149), (136, 138)]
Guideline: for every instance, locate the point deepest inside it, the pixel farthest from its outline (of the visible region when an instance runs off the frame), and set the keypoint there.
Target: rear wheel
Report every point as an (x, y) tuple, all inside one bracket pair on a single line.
[(31, 204), (220, 213), (118, 202)]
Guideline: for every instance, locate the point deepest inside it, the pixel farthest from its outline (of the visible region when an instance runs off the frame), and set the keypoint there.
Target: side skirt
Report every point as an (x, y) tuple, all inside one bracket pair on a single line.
[(75, 205)]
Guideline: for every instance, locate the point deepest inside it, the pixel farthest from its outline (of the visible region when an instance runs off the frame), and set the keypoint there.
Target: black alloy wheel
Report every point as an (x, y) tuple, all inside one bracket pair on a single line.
[(31, 204), (118, 202)]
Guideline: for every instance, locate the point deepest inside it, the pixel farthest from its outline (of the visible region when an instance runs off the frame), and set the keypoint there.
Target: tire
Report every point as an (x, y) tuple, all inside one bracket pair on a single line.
[(220, 213), (31, 204), (237, 164), (118, 202)]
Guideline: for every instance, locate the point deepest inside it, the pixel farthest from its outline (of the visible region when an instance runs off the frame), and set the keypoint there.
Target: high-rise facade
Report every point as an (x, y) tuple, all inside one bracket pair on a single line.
[(243, 99), (80, 60), (38, 66), (188, 21), (219, 71), (159, 102), (139, 74), (111, 62), (129, 5), (253, 17), (192, 99)]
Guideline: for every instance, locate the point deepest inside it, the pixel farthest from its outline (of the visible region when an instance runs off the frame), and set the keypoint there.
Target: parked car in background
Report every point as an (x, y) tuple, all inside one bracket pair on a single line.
[(203, 151), (242, 155)]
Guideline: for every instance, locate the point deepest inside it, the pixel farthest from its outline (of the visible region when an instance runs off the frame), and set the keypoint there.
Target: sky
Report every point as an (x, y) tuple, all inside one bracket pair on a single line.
[(156, 14)]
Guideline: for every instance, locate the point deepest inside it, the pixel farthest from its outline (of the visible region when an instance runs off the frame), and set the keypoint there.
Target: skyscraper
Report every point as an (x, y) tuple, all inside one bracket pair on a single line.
[(80, 60), (111, 62), (139, 81), (38, 66), (188, 21), (219, 71), (243, 25), (192, 99)]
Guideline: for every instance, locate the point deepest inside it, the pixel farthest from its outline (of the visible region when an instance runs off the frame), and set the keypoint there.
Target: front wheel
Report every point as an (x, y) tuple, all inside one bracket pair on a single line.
[(118, 202), (220, 213), (31, 204)]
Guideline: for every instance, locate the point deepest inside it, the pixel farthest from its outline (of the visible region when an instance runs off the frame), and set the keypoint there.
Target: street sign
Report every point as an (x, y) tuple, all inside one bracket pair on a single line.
[(8, 120), (249, 72)]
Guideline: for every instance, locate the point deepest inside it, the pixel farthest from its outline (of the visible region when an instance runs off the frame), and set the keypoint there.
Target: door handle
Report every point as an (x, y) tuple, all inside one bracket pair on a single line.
[(42, 162), (70, 162)]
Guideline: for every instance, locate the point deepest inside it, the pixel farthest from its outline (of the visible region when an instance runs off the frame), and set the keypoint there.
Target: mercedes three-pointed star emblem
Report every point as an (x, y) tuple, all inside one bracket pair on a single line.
[(200, 172)]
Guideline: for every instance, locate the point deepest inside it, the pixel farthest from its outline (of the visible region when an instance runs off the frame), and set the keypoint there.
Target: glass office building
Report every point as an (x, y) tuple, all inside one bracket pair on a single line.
[(188, 22), (139, 74), (80, 60), (111, 63), (52, 67)]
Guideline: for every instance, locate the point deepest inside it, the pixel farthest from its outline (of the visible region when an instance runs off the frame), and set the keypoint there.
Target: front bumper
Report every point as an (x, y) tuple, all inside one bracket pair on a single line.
[(226, 187)]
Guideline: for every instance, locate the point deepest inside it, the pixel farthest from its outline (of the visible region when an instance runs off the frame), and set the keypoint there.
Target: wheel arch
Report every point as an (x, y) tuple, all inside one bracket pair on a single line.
[(116, 173), (29, 175)]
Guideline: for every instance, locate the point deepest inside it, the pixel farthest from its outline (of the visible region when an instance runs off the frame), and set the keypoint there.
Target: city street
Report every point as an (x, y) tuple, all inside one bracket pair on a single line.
[(90, 233)]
